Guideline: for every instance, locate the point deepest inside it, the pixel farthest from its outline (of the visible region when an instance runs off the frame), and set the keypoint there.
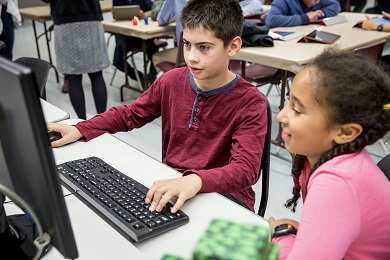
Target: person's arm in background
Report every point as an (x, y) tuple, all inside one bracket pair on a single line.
[(285, 13), (167, 13), (251, 7), (370, 24), (330, 7)]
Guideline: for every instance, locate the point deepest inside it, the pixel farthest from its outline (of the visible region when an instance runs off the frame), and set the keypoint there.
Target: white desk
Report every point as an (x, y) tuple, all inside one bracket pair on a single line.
[(98, 240), (53, 113)]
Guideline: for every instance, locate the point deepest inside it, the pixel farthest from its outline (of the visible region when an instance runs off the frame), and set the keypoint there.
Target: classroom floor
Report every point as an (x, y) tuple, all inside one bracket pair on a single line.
[(148, 139)]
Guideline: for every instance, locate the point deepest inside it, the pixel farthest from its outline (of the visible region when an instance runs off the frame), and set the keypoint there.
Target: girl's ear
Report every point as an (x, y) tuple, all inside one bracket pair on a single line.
[(348, 132), (235, 46)]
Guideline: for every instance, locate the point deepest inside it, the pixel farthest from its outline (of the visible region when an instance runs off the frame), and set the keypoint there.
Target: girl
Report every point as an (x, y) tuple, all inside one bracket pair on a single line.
[(339, 104), (80, 49)]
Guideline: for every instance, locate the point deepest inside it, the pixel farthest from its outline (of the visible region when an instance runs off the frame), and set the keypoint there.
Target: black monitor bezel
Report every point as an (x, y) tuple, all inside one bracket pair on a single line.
[(32, 171)]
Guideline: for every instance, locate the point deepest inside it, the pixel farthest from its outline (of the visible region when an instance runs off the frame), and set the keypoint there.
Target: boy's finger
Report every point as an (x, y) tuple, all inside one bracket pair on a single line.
[(180, 201)]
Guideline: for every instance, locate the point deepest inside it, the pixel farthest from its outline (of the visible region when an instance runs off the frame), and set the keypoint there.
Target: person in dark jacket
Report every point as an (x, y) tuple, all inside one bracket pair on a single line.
[(381, 6), (133, 42), (80, 48)]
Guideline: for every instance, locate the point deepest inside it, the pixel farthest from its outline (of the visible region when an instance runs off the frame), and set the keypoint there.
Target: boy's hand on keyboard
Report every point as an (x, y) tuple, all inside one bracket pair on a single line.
[(162, 191), (69, 133)]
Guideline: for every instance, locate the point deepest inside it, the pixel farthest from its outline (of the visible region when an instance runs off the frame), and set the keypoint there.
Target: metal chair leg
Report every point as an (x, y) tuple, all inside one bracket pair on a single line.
[(113, 76), (136, 73)]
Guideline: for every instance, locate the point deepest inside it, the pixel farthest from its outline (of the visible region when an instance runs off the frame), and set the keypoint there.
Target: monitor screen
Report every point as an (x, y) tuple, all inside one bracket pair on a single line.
[(28, 166)]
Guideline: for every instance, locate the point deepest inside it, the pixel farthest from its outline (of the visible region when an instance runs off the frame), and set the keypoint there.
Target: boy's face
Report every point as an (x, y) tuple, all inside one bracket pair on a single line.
[(206, 57)]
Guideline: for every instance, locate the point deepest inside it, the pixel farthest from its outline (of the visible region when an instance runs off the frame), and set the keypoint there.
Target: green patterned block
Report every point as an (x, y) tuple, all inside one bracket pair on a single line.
[(225, 240), (172, 257)]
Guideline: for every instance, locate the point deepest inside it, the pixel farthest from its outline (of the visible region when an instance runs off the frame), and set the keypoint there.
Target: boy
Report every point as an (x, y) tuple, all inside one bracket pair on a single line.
[(213, 122), (286, 13)]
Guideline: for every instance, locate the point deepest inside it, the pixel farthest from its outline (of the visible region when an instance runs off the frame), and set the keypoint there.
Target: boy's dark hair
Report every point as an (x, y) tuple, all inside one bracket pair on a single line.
[(353, 89), (223, 17)]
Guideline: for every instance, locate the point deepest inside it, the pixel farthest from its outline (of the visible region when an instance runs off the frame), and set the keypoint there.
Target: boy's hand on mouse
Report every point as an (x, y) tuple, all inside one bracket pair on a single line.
[(69, 133), (162, 191)]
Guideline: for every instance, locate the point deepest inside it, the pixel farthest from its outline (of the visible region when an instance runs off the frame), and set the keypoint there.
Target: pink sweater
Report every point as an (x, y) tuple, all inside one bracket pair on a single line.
[(216, 134), (346, 212)]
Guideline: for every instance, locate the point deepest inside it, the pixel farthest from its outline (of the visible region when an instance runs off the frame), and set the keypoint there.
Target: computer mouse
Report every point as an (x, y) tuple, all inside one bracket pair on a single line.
[(54, 136)]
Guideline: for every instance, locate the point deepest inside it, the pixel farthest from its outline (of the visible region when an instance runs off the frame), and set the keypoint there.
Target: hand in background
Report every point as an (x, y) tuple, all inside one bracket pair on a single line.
[(162, 191), (315, 15), (368, 24), (69, 133), (386, 15)]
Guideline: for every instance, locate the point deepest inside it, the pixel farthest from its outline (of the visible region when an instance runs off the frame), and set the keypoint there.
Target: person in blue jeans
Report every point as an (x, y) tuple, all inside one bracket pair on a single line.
[(287, 13), (131, 42)]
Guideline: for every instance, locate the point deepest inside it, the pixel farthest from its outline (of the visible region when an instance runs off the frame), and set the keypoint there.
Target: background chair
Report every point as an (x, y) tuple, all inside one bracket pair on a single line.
[(180, 62), (374, 51), (40, 68), (259, 74), (384, 165), (160, 43), (265, 164)]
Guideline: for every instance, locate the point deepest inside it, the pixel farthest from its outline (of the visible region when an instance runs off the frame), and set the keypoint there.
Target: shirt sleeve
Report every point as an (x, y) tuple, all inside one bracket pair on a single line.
[(166, 14), (247, 144), (330, 7), (279, 16), (329, 223), (126, 117)]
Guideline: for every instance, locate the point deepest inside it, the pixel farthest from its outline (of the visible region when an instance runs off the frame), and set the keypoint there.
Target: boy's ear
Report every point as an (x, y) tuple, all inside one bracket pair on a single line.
[(235, 46), (348, 132)]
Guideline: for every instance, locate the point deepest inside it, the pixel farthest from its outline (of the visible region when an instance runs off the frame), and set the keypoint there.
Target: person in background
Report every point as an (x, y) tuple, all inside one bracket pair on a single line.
[(213, 121), (10, 17), (286, 13), (251, 7), (171, 9), (133, 42), (169, 12), (381, 6), (370, 24), (80, 48), (346, 207)]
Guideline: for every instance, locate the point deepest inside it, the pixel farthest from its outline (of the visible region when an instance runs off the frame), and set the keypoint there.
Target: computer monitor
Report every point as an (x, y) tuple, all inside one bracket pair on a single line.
[(27, 162)]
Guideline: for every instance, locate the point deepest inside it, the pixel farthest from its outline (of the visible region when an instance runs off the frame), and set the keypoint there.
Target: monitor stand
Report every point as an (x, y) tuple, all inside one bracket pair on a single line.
[(17, 234)]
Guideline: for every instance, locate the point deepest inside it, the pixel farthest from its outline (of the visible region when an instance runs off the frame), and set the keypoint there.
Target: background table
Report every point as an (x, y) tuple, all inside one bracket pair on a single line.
[(144, 32), (293, 56)]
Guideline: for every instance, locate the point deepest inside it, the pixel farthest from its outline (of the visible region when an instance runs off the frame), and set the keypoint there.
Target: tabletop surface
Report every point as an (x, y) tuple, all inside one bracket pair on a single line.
[(292, 56), (96, 239), (52, 113), (141, 30)]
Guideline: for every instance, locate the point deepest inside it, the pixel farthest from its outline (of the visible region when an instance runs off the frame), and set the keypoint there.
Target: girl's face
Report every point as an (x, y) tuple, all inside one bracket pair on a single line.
[(304, 121)]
